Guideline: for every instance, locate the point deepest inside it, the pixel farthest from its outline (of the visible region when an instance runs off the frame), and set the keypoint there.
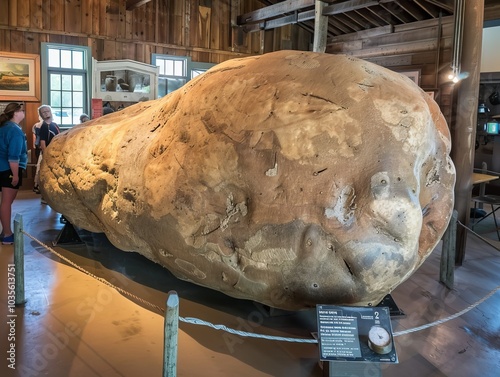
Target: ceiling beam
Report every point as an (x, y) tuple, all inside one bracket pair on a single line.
[(278, 22), (445, 4), (348, 6), (134, 4), (366, 15), (412, 8), (290, 6), (431, 9), (275, 10)]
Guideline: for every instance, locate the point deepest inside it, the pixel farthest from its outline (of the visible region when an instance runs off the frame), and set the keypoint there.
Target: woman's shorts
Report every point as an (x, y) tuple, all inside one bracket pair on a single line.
[(6, 179)]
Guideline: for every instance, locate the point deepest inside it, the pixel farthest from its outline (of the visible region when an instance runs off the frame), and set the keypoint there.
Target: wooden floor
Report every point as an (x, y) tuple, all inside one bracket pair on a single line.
[(75, 325)]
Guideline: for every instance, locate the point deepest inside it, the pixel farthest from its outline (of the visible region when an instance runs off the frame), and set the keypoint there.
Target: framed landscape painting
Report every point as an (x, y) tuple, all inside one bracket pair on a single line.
[(19, 77)]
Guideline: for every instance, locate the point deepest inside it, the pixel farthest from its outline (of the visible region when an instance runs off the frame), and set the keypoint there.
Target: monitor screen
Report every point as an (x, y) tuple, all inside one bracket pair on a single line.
[(492, 128)]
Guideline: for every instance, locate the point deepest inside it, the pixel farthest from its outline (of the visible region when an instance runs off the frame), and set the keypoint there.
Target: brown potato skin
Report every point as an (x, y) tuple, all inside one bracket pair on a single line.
[(291, 178)]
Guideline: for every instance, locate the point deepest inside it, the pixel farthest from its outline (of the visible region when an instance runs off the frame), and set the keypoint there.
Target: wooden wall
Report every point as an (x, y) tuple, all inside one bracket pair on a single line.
[(424, 46), (201, 29)]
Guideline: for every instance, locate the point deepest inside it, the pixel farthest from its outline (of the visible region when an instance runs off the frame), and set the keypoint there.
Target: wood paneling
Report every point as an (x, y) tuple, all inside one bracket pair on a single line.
[(96, 12), (73, 16), (17, 41), (12, 13), (176, 21), (56, 14), (412, 45), (204, 18), (23, 13), (425, 46), (86, 14), (149, 15), (5, 40), (196, 28)]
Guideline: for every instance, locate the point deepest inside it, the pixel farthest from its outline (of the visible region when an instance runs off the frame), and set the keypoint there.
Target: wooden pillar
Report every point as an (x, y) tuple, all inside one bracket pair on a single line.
[(463, 132), (236, 31), (448, 258), (320, 27)]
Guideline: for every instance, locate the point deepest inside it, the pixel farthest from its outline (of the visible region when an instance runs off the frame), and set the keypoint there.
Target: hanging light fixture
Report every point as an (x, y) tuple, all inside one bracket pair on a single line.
[(458, 31)]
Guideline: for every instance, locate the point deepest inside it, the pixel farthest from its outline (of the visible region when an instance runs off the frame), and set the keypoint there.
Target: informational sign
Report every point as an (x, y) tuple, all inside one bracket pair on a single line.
[(362, 334)]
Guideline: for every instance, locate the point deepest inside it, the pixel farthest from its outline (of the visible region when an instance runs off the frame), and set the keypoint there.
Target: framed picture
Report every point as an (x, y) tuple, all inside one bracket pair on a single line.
[(412, 75), (19, 77)]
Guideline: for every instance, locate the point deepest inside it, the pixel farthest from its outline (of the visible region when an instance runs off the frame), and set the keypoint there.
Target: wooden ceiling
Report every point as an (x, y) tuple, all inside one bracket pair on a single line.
[(345, 16), (351, 16)]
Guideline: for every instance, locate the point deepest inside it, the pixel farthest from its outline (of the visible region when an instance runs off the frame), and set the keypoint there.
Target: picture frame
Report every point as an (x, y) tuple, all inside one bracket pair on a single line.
[(412, 75), (19, 77)]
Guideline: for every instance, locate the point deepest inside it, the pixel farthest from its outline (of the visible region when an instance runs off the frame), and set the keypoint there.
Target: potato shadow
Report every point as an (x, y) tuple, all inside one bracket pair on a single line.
[(152, 282)]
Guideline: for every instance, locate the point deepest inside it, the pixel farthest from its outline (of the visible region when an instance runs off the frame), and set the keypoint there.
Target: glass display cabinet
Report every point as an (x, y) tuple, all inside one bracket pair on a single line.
[(124, 80)]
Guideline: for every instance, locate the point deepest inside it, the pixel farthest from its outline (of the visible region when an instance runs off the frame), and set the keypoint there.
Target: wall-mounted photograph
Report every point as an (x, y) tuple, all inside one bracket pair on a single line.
[(19, 77), (412, 75)]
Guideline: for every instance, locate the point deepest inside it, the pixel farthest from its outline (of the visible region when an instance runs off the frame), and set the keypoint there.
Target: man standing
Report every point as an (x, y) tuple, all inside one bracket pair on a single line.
[(48, 130)]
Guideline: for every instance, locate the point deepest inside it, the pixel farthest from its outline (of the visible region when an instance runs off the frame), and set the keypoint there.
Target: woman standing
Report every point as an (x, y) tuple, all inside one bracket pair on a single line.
[(13, 160)]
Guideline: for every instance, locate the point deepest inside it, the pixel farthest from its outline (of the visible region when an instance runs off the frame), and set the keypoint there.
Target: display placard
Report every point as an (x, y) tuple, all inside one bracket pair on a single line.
[(362, 334)]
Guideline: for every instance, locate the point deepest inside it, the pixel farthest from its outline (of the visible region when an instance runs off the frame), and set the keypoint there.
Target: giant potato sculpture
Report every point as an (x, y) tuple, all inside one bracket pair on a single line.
[(291, 178)]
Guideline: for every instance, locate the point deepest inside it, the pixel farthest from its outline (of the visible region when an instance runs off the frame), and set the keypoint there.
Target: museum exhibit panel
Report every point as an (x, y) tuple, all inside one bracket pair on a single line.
[(260, 188)]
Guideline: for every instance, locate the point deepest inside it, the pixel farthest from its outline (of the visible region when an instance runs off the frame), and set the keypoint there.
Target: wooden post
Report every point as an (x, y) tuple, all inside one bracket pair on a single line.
[(463, 130), (236, 32), (447, 269), (171, 335), (320, 27), (19, 259)]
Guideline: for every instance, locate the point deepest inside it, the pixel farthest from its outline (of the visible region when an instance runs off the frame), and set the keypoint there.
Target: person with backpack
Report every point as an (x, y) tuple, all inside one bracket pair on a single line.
[(48, 130)]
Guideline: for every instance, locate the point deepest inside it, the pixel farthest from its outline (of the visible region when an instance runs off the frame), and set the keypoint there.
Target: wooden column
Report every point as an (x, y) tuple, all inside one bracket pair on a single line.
[(320, 27), (463, 131), (236, 32)]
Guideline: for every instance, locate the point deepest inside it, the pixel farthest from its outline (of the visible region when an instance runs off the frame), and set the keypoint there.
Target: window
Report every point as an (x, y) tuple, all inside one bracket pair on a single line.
[(66, 82), (196, 72), (175, 71), (197, 68)]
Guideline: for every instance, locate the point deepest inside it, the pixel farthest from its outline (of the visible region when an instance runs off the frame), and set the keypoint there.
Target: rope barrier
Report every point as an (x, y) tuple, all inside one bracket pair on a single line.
[(196, 321), (81, 269), (485, 171), (478, 236), (453, 316)]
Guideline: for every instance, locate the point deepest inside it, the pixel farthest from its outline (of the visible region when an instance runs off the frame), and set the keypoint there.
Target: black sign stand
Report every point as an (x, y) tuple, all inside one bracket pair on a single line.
[(393, 307), (353, 369), (67, 235), (353, 341)]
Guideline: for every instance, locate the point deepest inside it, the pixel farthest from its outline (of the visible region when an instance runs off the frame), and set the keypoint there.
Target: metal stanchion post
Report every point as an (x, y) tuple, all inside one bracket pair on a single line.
[(171, 335), (19, 259)]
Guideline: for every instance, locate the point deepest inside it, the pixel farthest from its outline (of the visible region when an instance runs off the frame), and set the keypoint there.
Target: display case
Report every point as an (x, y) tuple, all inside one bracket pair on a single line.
[(124, 80)]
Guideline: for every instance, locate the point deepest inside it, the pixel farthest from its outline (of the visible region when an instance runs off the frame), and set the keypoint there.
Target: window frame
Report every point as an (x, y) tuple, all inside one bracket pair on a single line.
[(86, 70), (191, 66)]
